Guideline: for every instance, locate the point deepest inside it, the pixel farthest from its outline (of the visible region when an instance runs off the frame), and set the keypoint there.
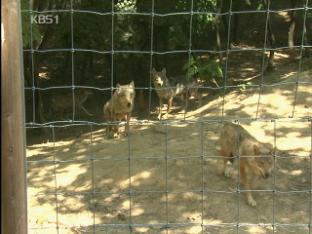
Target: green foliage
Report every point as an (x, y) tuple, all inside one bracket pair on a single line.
[(202, 21), (93, 31), (260, 7), (126, 6), (191, 67), (90, 30), (206, 70), (27, 28), (26, 32), (174, 30)]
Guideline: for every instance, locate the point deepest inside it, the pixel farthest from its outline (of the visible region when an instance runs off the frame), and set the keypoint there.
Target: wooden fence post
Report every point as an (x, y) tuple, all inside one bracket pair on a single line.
[(13, 173)]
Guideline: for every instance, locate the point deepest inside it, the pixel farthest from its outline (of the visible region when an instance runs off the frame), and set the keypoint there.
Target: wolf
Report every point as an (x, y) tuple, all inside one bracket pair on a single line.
[(256, 160), (168, 88), (119, 108), (61, 103)]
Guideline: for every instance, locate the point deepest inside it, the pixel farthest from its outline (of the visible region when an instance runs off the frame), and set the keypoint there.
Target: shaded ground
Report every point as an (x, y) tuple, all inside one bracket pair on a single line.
[(157, 175)]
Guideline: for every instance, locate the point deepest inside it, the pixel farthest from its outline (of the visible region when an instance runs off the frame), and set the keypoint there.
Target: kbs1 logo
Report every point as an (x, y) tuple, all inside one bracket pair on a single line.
[(44, 19)]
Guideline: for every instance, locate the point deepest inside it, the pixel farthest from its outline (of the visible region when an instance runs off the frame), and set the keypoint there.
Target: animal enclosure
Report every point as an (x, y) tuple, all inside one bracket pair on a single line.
[(246, 62)]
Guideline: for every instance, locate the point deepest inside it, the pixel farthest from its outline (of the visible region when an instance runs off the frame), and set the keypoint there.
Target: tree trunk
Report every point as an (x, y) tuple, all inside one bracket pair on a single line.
[(271, 38), (235, 27), (292, 25), (217, 23), (271, 65), (306, 51)]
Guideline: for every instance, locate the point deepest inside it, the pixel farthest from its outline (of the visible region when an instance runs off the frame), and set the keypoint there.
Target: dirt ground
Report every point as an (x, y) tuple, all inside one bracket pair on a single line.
[(171, 173)]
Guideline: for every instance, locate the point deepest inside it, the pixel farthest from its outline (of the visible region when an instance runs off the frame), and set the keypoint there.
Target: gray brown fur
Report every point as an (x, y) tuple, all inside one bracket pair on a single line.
[(119, 108), (236, 141), (167, 89)]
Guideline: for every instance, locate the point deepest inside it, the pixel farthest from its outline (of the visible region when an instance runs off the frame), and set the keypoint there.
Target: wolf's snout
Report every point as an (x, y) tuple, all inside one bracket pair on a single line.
[(158, 83), (129, 104)]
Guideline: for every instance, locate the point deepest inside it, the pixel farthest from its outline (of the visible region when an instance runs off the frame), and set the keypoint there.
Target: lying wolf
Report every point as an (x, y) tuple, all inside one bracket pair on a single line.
[(119, 107), (168, 88), (255, 157)]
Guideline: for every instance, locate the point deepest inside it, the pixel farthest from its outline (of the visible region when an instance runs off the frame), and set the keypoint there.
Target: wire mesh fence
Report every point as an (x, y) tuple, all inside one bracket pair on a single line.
[(165, 176)]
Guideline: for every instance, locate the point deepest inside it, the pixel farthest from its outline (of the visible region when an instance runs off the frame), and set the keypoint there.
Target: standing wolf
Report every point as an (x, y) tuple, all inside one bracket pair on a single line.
[(167, 89), (119, 107), (255, 157)]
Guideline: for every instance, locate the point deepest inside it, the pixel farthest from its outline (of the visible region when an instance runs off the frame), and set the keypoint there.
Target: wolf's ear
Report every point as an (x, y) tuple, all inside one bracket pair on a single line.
[(132, 83), (153, 71), (164, 70)]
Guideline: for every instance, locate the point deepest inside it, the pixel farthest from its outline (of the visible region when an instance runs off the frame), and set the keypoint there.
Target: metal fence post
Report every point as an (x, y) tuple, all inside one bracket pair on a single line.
[(13, 173)]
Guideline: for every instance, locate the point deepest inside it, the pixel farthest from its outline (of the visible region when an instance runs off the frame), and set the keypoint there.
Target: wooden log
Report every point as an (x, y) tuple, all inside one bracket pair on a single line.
[(13, 173)]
